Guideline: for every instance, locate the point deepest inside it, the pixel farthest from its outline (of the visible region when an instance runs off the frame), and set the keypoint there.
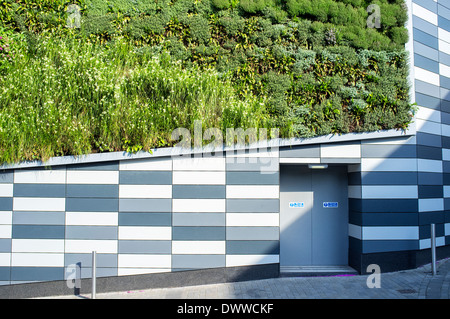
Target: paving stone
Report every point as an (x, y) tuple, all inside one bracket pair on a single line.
[(410, 284)]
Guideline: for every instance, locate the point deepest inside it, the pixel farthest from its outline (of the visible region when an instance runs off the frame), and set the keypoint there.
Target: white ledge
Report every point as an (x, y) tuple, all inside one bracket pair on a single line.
[(178, 151)]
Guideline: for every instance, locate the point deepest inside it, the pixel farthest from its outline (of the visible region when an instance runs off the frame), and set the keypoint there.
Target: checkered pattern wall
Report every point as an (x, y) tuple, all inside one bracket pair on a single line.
[(140, 216)]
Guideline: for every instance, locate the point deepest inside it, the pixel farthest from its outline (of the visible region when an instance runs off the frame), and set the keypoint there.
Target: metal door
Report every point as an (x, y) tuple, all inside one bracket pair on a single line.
[(313, 216)]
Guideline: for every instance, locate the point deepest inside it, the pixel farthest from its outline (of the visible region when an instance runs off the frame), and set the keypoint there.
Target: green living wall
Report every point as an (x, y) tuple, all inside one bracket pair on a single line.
[(129, 72)]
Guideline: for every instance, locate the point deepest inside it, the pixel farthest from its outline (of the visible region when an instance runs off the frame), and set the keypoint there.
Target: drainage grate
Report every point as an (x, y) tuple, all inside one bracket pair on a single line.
[(407, 291)]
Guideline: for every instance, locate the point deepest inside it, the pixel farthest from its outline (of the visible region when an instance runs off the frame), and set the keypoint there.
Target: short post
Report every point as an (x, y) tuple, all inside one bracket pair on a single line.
[(433, 249), (94, 274)]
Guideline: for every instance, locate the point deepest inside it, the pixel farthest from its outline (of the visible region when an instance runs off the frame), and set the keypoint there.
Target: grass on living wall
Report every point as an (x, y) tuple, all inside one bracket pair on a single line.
[(75, 97)]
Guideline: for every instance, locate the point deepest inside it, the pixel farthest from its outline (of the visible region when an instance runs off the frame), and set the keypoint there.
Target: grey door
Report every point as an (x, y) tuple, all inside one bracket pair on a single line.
[(313, 216)]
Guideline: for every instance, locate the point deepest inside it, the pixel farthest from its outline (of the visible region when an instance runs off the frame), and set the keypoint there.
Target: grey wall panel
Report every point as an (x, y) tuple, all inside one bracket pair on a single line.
[(430, 191), (5, 273), (428, 101), (388, 178), (37, 273), (198, 233), (145, 177), (377, 246), (354, 178), (145, 247), (100, 272), (101, 191), (444, 94), (426, 63), (6, 203), (255, 247), (252, 164), (5, 245), (91, 232), (386, 205), (429, 5), (429, 139), (39, 190), (444, 82), (428, 218), (425, 26), (198, 191), (253, 233), (428, 152), (389, 219), (388, 151), (145, 205), (425, 39), (446, 166), (444, 58), (38, 231), (38, 218), (197, 261), (145, 219), (445, 118), (426, 178), (428, 89), (91, 205), (425, 50), (446, 178), (85, 260), (252, 205), (425, 231), (101, 166), (444, 23), (311, 151), (445, 106), (251, 178), (444, 11)]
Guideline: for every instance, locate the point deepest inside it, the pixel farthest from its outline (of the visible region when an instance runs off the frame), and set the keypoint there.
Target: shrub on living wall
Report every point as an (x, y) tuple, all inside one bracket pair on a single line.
[(307, 67)]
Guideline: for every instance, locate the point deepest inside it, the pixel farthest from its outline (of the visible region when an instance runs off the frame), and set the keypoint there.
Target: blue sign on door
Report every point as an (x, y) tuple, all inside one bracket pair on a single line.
[(296, 204), (330, 204)]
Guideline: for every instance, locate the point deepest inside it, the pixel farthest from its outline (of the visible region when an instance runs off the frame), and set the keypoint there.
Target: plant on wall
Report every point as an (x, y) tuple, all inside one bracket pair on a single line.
[(307, 67)]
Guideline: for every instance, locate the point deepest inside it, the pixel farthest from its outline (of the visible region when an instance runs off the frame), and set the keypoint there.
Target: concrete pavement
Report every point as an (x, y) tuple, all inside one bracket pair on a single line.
[(409, 284)]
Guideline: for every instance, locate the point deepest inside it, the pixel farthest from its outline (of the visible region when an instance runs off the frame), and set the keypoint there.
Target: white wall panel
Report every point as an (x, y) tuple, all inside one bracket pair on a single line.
[(198, 178), (39, 204), (92, 218), (146, 165), (145, 261), (198, 205), (87, 246), (92, 177), (253, 191), (40, 176), (37, 260), (38, 245), (248, 260), (145, 233), (253, 219), (145, 191), (198, 247)]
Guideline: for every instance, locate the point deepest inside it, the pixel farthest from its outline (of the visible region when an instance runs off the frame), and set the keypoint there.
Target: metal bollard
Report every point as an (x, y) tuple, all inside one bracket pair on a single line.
[(94, 274), (433, 249)]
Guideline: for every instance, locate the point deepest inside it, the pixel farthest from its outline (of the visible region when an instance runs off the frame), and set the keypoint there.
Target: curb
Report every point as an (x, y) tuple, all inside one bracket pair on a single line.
[(438, 286)]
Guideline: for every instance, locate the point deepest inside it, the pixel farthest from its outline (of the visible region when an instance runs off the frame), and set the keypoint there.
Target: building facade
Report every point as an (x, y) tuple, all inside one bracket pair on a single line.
[(170, 218)]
